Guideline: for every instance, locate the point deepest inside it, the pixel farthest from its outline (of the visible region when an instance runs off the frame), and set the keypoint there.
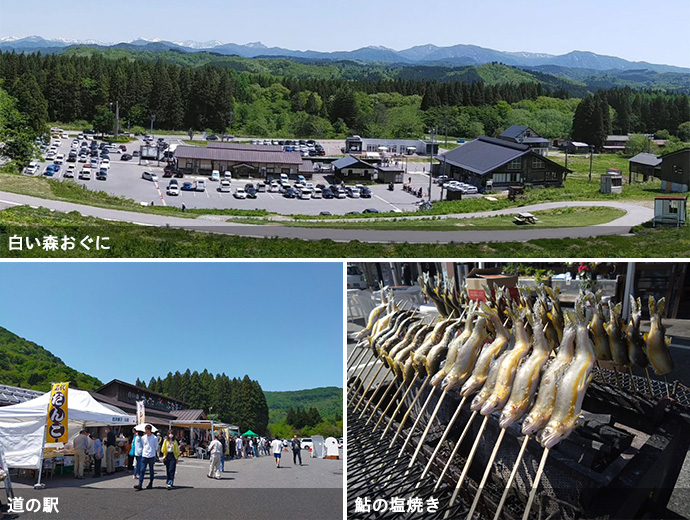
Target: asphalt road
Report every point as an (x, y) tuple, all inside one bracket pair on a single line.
[(249, 489)]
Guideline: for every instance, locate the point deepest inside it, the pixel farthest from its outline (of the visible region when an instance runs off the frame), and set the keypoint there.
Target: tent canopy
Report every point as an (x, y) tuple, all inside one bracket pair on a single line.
[(249, 433), (22, 425)]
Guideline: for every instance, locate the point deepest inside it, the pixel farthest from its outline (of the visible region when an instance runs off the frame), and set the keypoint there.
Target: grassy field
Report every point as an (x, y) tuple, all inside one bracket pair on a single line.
[(558, 218), (132, 241)]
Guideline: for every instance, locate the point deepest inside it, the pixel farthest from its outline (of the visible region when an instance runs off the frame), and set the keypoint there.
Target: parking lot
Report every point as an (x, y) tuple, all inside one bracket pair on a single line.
[(125, 180)]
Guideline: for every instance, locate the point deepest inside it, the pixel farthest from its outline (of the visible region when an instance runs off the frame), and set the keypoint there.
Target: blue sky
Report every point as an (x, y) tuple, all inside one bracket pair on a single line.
[(281, 323), (632, 29)]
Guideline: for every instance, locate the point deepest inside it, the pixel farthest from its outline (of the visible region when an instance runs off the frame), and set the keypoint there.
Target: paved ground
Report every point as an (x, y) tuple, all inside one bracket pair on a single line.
[(635, 215), (252, 489)]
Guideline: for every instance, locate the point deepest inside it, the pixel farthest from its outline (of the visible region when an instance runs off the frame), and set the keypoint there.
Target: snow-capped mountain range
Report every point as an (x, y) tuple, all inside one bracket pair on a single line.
[(456, 55)]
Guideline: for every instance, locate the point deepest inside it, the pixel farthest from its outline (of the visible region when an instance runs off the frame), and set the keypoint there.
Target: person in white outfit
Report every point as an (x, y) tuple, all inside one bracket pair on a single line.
[(215, 450), (277, 447)]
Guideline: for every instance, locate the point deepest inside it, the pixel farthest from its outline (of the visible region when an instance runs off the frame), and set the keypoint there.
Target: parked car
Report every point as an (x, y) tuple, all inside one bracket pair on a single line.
[(370, 210), (85, 174), (307, 444), (341, 193), (290, 193), (102, 174), (304, 194), (240, 193), (260, 187), (32, 168), (327, 193), (225, 186), (149, 176), (69, 173), (251, 192), (105, 162), (317, 193), (83, 158), (274, 187), (215, 176), (59, 158), (187, 186), (126, 157), (365, 192), (173, 188), (201, 185), (49, 171), (227, 175), (212, 138), (353, 192), (123, 148)]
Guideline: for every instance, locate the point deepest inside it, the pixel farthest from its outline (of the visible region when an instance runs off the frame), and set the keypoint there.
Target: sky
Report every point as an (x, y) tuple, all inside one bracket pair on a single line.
[(281, 323), (636, 30)]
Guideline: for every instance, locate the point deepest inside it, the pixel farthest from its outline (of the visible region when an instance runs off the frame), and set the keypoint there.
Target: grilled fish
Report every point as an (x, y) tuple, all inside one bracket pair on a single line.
[(373, 318), (597, 328), (555, 315), (508, 365), (466, 357), (403, 356), (617, 344), (541, 411), (453, 348), (572, 387), (527, 375), (437, 354), (636, 344), (489, 352), (418, 355), (657, 343)]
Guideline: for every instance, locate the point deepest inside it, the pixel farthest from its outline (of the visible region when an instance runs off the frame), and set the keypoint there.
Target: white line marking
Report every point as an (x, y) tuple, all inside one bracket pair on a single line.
[(391, 205), (11, 203)]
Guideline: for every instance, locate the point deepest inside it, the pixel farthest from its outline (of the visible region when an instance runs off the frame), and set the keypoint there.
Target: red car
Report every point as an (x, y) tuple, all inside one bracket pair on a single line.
[(123, 148)]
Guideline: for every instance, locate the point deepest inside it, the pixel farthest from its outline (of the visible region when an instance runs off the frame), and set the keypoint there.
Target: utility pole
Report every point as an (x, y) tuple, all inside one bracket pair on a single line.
[(432, 136), (591, 154), (153, 118), (117, 118)]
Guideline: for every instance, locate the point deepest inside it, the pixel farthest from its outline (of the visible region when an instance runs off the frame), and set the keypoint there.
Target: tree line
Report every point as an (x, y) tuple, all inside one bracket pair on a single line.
[(235, 401)]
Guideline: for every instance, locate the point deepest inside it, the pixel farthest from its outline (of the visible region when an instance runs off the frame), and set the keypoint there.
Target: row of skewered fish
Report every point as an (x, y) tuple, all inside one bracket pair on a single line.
[(526, 359)]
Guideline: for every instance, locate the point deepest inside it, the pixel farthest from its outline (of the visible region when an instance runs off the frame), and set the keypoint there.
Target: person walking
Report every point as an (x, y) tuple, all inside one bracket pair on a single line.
[(110, 444), (214, 451), (138, 446), (97, 455), (80, 444), (231, 448), (255, 447), (238, 446), (171, 452), (296, 450), (221, 439), (148, 456), (277, 447), (130, 455)]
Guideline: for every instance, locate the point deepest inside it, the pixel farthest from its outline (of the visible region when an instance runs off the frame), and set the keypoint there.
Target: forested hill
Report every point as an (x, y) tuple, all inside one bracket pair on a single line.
[(327, 400), (25, 364)]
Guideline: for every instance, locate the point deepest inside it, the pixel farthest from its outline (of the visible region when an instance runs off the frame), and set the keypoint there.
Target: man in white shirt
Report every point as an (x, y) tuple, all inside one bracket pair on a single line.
[(215, 449), (148, 456), (276, 447)]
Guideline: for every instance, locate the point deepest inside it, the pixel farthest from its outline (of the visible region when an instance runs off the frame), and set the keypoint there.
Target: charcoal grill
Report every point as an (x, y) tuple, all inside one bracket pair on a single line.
[(623, 462)]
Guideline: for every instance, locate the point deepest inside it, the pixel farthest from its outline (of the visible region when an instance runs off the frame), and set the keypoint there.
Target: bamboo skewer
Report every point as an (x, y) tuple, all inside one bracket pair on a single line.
[(537, 478), (361, 352), (354, 389), (407, 414), (395, 395), (383, 414), (371, 383), (649, 382), (455, 449), (421, 413), (397, 408), (426, 430), (486, 473), (385, 393), (468, 463), (511, 478)]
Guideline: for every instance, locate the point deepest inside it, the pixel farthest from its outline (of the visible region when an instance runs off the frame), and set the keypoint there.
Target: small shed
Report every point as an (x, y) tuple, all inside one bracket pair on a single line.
[(670, 209), (645, 164), (611, 182), (388, 174)]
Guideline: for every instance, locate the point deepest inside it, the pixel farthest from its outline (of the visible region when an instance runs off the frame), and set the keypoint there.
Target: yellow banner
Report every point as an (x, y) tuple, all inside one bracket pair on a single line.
[(57, 414)]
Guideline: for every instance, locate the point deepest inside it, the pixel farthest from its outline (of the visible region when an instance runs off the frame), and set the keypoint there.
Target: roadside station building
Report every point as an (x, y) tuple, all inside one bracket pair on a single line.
[(359, 145)]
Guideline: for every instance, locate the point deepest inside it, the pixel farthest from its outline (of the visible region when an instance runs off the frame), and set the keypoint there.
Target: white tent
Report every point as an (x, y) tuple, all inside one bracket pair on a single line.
[(22, 425)]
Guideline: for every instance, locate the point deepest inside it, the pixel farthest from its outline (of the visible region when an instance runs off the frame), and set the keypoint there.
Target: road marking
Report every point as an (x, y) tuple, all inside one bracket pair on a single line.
[(11, 203), (391, 205)]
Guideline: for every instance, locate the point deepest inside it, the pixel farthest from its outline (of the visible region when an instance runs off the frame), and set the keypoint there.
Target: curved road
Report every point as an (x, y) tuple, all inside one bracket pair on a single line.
[(636, 214)]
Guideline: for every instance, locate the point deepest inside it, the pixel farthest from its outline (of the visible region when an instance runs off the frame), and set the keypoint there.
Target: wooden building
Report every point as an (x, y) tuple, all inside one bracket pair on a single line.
[(645, 165), (525, 135), (674, 171), (242, 160)]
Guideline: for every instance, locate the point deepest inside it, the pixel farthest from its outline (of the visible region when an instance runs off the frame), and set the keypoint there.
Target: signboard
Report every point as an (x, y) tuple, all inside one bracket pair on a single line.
[(57, 414), (141, 414)]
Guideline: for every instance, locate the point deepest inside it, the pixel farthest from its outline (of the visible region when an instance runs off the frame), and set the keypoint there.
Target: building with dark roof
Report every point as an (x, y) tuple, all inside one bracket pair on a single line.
[(645, 164), (488, 162), (525, 135), (352, 169), (674, 171), (616, 143), (15, 395), (242, 160)]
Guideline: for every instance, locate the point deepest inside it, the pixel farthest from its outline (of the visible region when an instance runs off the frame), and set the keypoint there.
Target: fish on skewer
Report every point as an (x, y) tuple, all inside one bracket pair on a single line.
[(401, 359), (527, 375), (541, 411), (466, 357), (432, 361), (488, 353), (417, 356), (453, 348), (398, 336), (410, 335), (617, 343), (390, 331), (597, 328), (555, 314), (636, 344), (572, 387), (508, 364), (657, 342), (374, 315)]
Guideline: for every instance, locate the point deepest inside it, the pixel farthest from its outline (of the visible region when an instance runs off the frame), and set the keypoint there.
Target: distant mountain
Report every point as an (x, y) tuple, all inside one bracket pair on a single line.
[(327, 400), (454, 56), (28, 365)]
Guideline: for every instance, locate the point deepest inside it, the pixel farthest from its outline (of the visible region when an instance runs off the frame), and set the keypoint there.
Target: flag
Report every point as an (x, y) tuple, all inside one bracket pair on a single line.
[(57, 414), (141, 414)]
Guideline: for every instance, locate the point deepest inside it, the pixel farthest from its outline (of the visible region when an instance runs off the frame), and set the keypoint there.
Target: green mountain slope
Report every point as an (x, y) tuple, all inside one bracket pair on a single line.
[(327, 400), (28, 365)]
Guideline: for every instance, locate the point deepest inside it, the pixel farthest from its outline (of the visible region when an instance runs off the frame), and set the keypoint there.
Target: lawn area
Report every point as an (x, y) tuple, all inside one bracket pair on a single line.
[(557, 218), (132, 241)]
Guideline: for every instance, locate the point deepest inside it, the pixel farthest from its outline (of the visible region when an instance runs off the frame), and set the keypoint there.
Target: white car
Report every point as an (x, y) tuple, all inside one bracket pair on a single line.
[(82, 158), (304, 194), (317, 193), (307, 444), (69, 173), (227, 175), (240, 193), (353, 192), (215, 176), (85, 174), (309, 186), (173, 188), (274, 187), (341, 193), (59, 159), (200, 185), (225, 186), (149, 176), (105, 163), (32, 169)]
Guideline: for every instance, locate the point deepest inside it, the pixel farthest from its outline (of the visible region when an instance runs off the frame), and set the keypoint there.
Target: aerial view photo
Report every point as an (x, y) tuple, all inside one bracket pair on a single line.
[(344, 130), (158, 400)]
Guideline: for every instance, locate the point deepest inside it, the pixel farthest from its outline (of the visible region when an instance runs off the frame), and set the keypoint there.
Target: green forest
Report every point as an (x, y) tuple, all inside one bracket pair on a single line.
[(327, 400), (25, 364), (235, 401)]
